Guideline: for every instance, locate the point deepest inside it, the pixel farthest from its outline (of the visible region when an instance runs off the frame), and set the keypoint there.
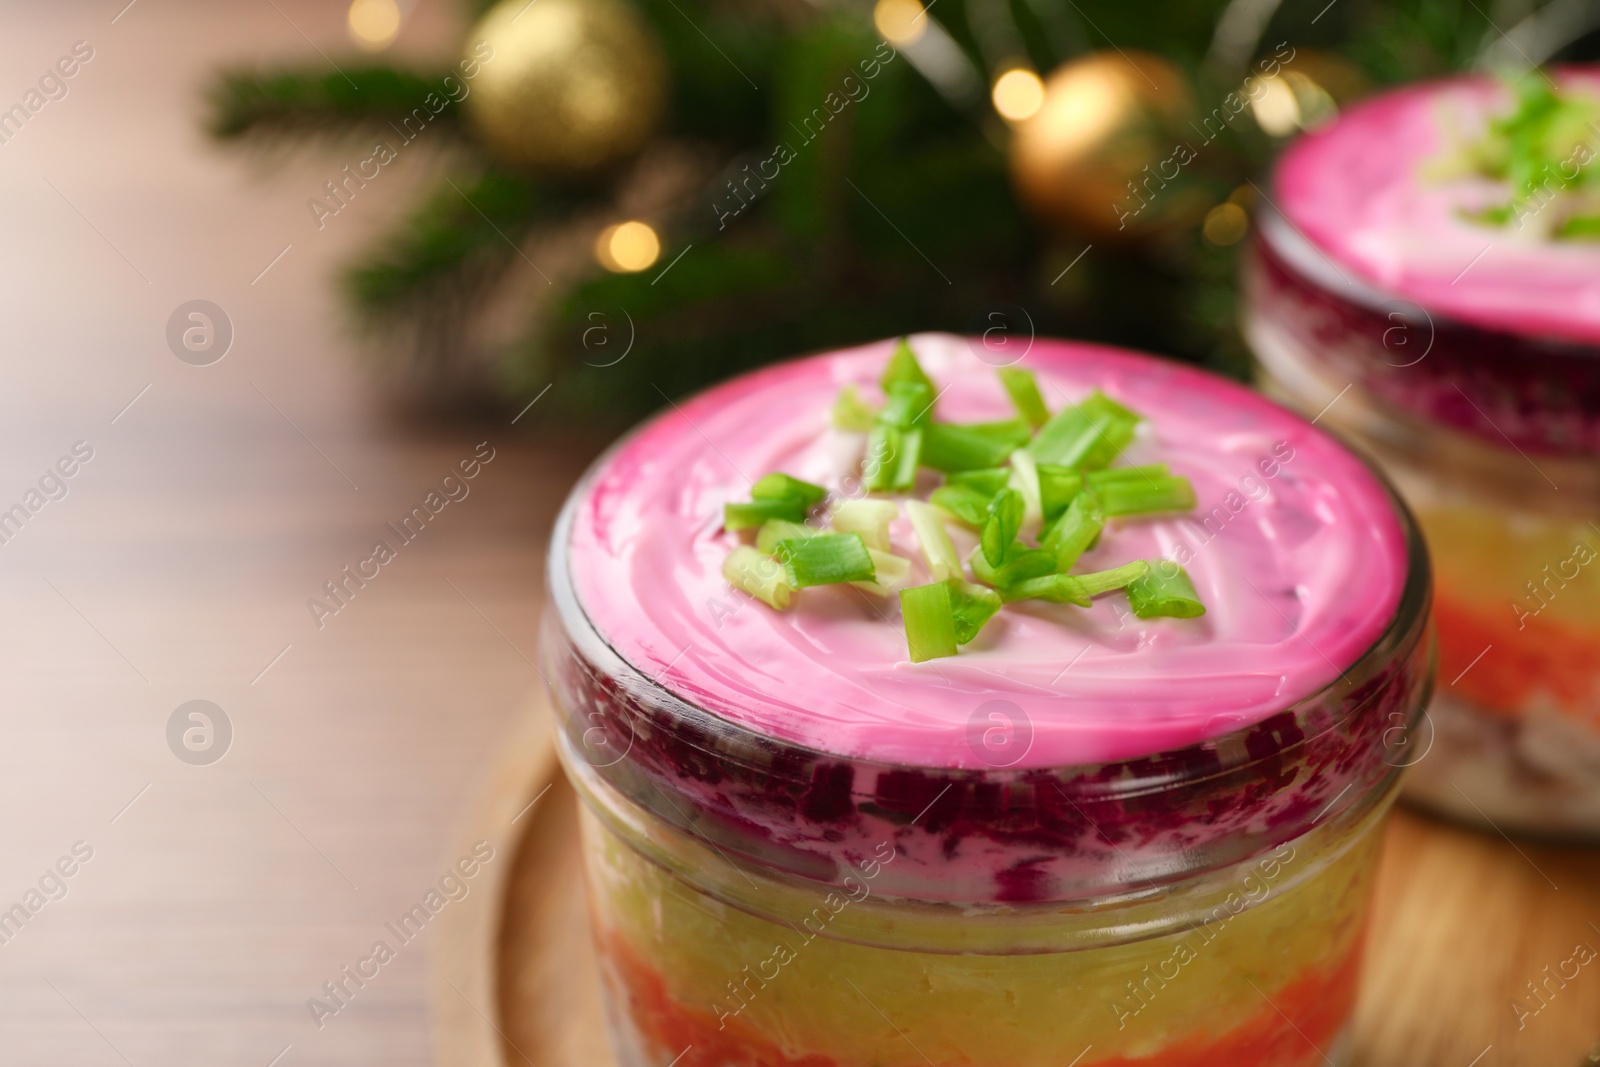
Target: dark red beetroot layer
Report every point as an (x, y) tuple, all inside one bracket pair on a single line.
[(1544, 395), (1298, 1026), (1002, 835)]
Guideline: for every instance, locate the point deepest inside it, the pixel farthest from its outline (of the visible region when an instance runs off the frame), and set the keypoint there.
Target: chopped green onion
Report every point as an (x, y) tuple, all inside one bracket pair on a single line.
[(1165, 591), (1056, 588), (747, 514), (852, 412), (1057, 486), (1097, 404), (1114, 475), (937, 548), (1580, 227), (1137, 498), (908, 405), (1000, 528), (892, 458), (759, 575), (1075, 437), (1097, 582), (1071, 535), (1021, 564), (930, 621), (826, 559), (903, 367), (780, 486), (1000, 477), (965, 505), (893, 573), (1023, 389), (972, 446), (869, 518), (972, 606), (775, 530), (988, 481), (1025, 480), (908, 459)]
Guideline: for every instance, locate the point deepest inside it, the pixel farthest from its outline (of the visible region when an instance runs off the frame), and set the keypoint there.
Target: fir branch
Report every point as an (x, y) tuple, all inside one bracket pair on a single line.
[(467, 232), (290, 103), (420, 290)]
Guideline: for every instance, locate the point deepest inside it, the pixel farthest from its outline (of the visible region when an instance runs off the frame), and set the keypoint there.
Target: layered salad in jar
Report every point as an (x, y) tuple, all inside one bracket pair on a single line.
[(1426, 280), (932, 711)]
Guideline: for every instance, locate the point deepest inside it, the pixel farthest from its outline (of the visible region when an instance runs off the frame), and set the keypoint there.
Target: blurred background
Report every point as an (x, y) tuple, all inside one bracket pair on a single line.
[(273, 269), (710, 186)]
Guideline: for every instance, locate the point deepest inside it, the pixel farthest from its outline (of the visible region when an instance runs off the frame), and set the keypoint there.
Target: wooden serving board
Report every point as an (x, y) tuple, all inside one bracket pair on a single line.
[(1463, 922)]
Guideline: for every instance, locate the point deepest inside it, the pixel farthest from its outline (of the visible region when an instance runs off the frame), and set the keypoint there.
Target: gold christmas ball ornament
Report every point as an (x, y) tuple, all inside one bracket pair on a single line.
[(1105, 153), (564, 85)]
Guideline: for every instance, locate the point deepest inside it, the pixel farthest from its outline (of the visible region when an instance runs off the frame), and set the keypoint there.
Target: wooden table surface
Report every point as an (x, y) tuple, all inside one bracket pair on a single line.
[(219, 899)]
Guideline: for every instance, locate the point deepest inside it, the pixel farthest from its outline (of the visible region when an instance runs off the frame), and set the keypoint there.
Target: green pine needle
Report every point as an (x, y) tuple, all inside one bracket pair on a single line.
[(292, 103)]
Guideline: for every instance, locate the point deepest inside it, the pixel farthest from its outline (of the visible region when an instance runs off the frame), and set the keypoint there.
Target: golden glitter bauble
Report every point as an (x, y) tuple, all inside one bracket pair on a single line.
[(564, 85), (1105, 154)]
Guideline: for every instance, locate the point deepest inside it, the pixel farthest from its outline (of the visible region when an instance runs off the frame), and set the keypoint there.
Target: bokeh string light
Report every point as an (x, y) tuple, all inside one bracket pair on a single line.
[(900, 22), (373, 24), (627, 247), (1018, 94)]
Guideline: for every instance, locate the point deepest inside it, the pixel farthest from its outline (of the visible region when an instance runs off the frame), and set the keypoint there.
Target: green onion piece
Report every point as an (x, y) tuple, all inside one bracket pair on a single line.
[(1114, 475), (1097, 404), (972, 606), (775, 530), (908, 405), (1076, 438), (967, 506), (1071, 535), (1055, 588), (893, 573), (747, 514), (781, 486), (877, 466), (825, 559), (759, 575), (1023, 388), (1025, 480), (972, 446), (903, 367), (937, 548), (930, 621), (909, 459), (869, 518), (1147, 498), (1000, 528), (1096, 582), (1116, 435), (988, 481), (1580, 227), (852, 412), (1165, 591), (892, 458), (1020, 565), (1057, 486)]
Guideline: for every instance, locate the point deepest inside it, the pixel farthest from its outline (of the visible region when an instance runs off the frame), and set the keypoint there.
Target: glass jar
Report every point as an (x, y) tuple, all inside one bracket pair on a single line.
[(755, 902), (1484, 407)]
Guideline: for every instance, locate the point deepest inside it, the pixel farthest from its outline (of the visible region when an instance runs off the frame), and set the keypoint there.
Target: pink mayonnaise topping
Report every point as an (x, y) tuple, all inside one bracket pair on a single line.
[(1295, 549), (1360, 191)]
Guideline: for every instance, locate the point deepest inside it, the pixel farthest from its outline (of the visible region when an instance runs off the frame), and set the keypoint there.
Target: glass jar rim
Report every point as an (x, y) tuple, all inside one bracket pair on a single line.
[(1001, 834), (1405, 627)]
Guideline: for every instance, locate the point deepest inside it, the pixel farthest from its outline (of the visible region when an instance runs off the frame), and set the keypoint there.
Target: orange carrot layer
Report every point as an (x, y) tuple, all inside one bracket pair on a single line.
[(1536, 657), (1296, 1027)]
